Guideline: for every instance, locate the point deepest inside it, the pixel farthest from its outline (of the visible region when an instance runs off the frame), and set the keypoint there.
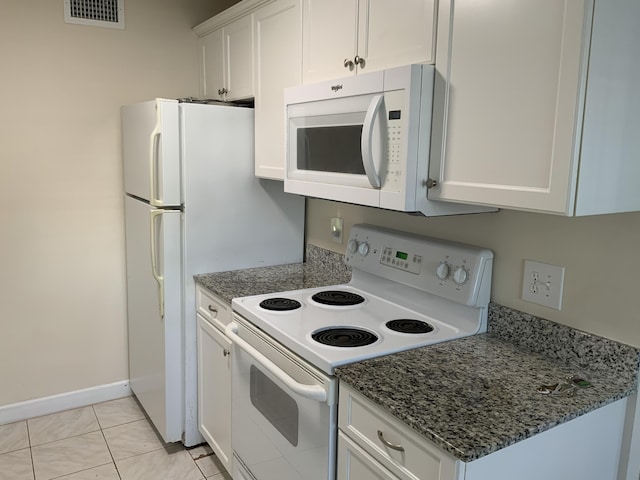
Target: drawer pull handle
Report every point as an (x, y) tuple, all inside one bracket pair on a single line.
[(212, 310), (399, 448)]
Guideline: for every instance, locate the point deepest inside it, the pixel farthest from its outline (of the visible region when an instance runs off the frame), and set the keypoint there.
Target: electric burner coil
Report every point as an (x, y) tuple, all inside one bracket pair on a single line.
[(337, 298), (408, 325), (278, 304), (344, 337)]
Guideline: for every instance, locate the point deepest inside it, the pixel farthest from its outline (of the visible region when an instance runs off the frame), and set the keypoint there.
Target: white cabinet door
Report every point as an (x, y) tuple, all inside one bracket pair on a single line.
[(227, 61), (238, 63), (214, 390), (390, 35), (507, 103), (212, 64), (343, 37), (330, 39), (277, 65), (356, 464), (609, 166)]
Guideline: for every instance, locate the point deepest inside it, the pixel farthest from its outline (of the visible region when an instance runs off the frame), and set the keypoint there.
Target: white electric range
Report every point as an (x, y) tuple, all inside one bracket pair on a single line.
[(406, 291)]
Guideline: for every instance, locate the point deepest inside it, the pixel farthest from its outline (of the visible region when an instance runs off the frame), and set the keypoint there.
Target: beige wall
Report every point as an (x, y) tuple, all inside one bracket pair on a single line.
[(62, 296), (600, 253)]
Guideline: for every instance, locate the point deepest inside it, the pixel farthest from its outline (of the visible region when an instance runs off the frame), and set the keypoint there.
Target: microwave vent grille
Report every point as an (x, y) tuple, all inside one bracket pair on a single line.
[(97, 13)]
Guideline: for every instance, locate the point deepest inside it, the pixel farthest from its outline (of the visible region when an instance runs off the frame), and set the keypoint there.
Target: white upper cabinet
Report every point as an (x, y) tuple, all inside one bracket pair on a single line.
[(278, 59), (227, 61), (343, 37), (536, 105), (212, 65)]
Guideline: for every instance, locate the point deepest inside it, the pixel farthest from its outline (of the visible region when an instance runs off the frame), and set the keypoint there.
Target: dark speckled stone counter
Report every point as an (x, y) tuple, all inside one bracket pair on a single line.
[(471, 396), (321, 268), (476, 395)]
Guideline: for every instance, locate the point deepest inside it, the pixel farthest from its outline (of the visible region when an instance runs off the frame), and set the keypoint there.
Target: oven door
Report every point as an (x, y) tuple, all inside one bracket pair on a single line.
[(336, 148), (283, 411)]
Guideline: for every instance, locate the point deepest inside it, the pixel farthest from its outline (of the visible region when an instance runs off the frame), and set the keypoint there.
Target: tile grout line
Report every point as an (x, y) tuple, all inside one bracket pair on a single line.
[(33, 465), (115, 465)]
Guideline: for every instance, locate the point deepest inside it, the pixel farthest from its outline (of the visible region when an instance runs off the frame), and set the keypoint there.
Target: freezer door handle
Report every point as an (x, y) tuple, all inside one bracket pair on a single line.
[(154, 260), (154, 142)]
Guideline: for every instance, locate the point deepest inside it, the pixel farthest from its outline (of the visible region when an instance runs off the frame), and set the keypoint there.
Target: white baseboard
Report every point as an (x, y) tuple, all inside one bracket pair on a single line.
[(64, 401)]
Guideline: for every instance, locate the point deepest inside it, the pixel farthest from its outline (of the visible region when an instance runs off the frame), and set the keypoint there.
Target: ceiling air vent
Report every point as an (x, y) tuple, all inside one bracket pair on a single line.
[(98, 13)]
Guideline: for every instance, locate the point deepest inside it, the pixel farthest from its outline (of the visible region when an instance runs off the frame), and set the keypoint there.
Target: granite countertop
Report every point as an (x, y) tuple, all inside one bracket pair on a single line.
[(471, 396), (476, 395), (321, 268)]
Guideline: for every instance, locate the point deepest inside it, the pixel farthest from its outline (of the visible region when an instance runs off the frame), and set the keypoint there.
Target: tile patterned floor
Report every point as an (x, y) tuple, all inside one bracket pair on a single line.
[(107, 441)]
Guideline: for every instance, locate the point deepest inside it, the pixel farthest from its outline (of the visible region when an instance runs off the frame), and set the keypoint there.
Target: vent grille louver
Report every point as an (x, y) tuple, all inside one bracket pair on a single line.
[(99, 13)]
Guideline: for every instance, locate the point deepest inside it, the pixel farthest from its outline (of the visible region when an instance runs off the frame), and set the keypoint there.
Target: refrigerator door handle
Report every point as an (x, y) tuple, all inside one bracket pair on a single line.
[(153, 164), (154, 261)]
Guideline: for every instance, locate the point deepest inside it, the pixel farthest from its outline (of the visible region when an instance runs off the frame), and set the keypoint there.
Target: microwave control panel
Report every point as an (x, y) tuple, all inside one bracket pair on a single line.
[(395, 146)]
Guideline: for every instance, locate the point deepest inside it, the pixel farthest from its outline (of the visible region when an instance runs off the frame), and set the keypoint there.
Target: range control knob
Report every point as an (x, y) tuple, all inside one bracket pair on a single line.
[(363, 248), (442, 272), (460, 276), (352, 246)]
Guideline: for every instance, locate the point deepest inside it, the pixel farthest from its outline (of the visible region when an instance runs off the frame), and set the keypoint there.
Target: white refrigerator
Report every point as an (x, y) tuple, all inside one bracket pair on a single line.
[(192, 205)]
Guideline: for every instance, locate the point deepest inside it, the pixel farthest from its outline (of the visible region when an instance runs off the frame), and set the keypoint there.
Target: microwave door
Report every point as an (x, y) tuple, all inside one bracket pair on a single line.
[(324, 152)]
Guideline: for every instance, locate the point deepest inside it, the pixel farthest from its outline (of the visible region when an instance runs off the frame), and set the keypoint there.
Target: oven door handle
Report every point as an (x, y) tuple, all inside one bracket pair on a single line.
[(311, 392)]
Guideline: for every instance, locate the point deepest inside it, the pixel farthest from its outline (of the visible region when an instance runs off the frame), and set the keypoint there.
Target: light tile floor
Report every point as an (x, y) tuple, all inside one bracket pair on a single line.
[(107, 441)]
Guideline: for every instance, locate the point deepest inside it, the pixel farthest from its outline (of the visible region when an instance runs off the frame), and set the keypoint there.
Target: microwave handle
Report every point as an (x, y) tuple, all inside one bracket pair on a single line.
[(367, 141), (311, 392)]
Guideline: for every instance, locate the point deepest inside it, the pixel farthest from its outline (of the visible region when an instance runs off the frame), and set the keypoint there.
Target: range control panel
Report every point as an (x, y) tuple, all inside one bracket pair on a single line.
[(403, 260), (452, 270)]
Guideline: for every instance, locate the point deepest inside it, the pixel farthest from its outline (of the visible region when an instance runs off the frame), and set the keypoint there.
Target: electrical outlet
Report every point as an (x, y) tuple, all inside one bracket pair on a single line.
[(542, 283), (336, 229)]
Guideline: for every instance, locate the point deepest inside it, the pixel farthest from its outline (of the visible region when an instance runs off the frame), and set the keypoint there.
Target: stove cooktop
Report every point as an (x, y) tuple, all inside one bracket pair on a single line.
[(430, 290), (295, 329)]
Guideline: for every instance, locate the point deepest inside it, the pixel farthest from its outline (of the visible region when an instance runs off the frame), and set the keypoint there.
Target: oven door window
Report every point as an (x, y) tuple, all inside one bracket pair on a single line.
[(274, 404)]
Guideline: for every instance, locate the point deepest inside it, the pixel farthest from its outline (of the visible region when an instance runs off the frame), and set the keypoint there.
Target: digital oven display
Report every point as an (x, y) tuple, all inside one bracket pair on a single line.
[(402, 255)]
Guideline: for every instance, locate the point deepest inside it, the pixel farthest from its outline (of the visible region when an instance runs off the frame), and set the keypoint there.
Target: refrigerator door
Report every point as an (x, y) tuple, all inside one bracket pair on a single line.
[(153, 242), (232, 220), (151, 152)]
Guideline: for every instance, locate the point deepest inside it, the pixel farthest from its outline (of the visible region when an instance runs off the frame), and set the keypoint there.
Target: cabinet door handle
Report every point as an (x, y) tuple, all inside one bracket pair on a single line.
[(394, 446), (348, 64), (359, 61), (430, 183), (226, 352)]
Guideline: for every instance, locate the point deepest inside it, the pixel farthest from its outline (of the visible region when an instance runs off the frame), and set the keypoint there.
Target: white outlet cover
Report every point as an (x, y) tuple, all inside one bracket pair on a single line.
[(336, 229), (542, 283)]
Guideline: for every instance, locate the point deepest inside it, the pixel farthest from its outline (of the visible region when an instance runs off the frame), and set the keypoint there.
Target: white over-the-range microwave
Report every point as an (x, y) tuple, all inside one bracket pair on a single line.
[(365, 140)]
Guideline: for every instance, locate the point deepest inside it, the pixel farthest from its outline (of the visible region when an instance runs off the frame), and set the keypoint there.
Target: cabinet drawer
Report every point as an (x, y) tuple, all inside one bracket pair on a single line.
[(361, 420), (212, 308), (354, 463)]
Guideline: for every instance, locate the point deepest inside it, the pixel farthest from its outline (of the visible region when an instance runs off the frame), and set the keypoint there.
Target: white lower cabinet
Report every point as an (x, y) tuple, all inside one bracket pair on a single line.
[(214, 376), (374, 445), (354, 463)]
